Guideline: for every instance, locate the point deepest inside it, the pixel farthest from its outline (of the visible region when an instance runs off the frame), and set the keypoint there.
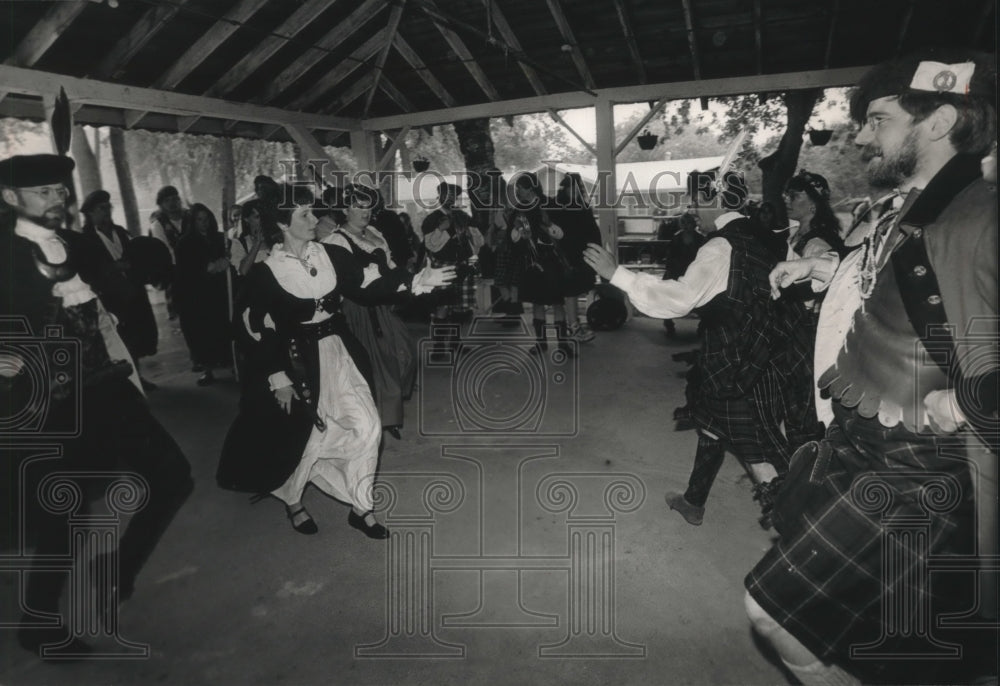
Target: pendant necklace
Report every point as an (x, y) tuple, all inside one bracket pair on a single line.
[(304, 261)]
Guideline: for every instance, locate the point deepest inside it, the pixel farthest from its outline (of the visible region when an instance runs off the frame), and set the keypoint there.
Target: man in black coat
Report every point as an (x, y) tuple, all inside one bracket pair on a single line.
[(82, 387), (104, 265)]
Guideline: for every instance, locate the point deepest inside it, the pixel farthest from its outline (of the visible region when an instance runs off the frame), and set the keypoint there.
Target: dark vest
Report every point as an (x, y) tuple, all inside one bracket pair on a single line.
[(738, 336)]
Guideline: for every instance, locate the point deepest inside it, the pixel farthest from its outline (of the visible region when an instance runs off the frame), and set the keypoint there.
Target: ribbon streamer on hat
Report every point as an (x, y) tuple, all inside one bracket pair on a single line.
[(939, 77)]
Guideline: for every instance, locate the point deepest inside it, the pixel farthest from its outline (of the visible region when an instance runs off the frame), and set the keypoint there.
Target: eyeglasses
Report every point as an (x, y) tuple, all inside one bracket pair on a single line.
[(49, 192)]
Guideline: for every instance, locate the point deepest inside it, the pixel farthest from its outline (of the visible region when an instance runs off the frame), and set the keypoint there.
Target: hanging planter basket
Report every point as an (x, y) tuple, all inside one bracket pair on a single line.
[(820, 136), (421, 165), (647, 141)]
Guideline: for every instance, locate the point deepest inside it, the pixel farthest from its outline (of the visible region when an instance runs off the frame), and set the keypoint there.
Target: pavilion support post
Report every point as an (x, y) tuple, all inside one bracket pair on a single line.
[(363, 145), (607, 216)]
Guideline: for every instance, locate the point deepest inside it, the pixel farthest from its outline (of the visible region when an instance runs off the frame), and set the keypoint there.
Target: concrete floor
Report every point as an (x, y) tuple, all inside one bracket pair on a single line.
[(234, 596)]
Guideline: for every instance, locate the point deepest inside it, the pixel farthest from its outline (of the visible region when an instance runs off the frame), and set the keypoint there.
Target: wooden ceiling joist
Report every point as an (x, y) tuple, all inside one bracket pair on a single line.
[(38, 83), (569, 39), (411, 56), (144, 30), (508, 36), (758, 38), (44, 33), (625, 19), (692, 39), (270, 45), (834, 16), (393, 29), (457, 45), (397, 95), (311, 57), (357, 89), (333, 78)]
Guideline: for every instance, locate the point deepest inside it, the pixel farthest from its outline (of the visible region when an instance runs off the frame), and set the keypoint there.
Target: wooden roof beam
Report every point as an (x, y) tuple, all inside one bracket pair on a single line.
[(819, 78), (208, 42), (692, 39), (456, 43), (44, 33), (393, 30), (633, 46), (324, 45), (359, 88), (834, 17), (507, 33), (270, 45), (333, 78), (758, 36), (569, 39), (397, 95), (145, 29), (89, 91), (411, 56)]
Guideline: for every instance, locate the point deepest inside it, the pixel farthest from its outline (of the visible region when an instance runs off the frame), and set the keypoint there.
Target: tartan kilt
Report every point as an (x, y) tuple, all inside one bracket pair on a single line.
[(826, 577), (749, 425)]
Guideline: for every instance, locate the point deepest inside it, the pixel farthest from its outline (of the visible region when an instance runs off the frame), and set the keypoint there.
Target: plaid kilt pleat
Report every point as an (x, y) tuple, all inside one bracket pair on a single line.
[(826, 578)]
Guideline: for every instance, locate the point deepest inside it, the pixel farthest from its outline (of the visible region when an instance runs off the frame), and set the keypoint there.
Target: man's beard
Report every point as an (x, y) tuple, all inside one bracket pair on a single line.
[(891, 171), (53, 218)]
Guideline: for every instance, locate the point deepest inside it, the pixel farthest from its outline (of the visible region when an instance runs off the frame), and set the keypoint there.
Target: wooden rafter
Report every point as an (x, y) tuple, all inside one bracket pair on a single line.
[(397, 95), (458, 46), (633, 46), (209, 41), (834, 17), (44, 33), (569, 39), (758, 37), (185, 123), (270, 45), (411, 56), (331, 40), (507, 33), (393, 31), (692, 39), (332, 78), (359, 88), (144, 30)]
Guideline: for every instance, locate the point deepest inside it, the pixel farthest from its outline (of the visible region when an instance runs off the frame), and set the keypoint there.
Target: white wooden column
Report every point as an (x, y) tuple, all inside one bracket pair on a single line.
[(607, 186)]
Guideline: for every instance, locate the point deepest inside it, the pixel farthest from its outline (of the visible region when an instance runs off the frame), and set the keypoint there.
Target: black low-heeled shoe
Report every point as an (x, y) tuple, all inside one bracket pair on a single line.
[(394, 432), (307, 526), (375, 530)]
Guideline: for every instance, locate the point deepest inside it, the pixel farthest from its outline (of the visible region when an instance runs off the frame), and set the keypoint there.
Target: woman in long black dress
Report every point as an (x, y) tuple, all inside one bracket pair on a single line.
[(576, 218), (201, 295), (538, 237), (307, 414)]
